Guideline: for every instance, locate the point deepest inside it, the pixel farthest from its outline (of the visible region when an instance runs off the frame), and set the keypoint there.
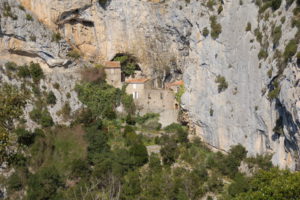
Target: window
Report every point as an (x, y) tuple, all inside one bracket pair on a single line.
[(135, 95), (112, 71), (134, 86)]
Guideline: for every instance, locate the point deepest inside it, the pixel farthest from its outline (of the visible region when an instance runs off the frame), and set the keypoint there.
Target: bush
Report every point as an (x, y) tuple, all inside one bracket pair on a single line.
[(210, 4), (146, 117), (205, 32), (56, 37), (29, 17), (128, 64), (222, 83), (42, 117), (11, 66), (23, 71), (101, 99), (248, 28), (75, 54), (51, 98), (290, 50), (128, 103), (179, 93), (66, 110), (79, 168), (276, 34), (139, 154), (216, 28), (258, 35), (15, 182), (276, 4), (169, 152), (25, 137), (263, 54), (45, 184), (36, 72)]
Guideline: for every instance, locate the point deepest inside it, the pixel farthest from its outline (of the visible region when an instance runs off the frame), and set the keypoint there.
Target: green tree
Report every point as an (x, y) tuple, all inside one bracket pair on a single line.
[(132, 186), (273, 184), (139, 154), (169, 152), (44, 184), (36, 72), (51, 98), (101, 99)]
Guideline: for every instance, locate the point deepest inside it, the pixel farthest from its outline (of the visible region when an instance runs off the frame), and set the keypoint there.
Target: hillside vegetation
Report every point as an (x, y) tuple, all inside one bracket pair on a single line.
[(103, 155)]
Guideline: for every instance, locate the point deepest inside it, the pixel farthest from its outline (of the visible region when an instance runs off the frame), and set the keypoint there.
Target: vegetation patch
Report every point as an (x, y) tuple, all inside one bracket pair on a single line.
[(222, 83), (216, 28)]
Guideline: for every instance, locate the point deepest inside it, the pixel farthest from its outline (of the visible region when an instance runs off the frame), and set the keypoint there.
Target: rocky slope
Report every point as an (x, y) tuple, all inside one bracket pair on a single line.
[(168, 39)]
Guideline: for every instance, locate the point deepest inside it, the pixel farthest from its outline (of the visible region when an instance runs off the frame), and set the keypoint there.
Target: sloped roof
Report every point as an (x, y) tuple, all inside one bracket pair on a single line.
[(137, 80), (176, 83), (112, 64)]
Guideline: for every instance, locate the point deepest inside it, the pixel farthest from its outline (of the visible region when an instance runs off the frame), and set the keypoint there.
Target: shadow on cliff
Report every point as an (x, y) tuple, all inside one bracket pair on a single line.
[(286, 120)]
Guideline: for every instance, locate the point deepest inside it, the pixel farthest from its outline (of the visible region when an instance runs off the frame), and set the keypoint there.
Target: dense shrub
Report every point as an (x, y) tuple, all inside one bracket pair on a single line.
[(25, 137), (15, 182), (36, 72), (262, 54), (169, 152), (222, 83), (139, 154), (42, 117), (276, 34), (216, 28), (205, 32), (101, 99), (23, 71), (45, 184), (290, 50), (128, 64), (56, 37), (79, 168), (272, 184), (51, 98), (248, 28), (258, 35), (75, 54), (11, 66), (29, 17), (274, 92)]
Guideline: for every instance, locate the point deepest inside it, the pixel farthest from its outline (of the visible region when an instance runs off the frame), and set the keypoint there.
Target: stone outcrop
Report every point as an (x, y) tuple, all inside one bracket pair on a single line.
[(167, 38)]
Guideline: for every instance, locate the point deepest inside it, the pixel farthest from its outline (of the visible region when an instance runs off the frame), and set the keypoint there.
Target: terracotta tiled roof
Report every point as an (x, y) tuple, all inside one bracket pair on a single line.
[(176, 83), (112, 64), (137, 80)]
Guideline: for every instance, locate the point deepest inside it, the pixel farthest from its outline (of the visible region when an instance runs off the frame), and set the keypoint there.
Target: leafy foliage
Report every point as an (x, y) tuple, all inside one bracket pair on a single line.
[(216, 28), (45, 184), (51, 98), (101, 99), (273, 184), (128, 64), (42, 117), (222, 83)]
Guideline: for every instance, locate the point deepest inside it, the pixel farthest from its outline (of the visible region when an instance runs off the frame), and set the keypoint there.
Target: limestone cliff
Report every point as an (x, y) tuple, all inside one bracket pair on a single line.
[(167, 37)]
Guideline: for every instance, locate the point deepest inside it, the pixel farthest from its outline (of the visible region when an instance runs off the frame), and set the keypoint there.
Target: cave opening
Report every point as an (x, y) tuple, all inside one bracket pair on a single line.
[(129, 65)]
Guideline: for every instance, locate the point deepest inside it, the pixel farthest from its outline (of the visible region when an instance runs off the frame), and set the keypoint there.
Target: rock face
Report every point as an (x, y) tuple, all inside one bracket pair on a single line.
[(167, 38)]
